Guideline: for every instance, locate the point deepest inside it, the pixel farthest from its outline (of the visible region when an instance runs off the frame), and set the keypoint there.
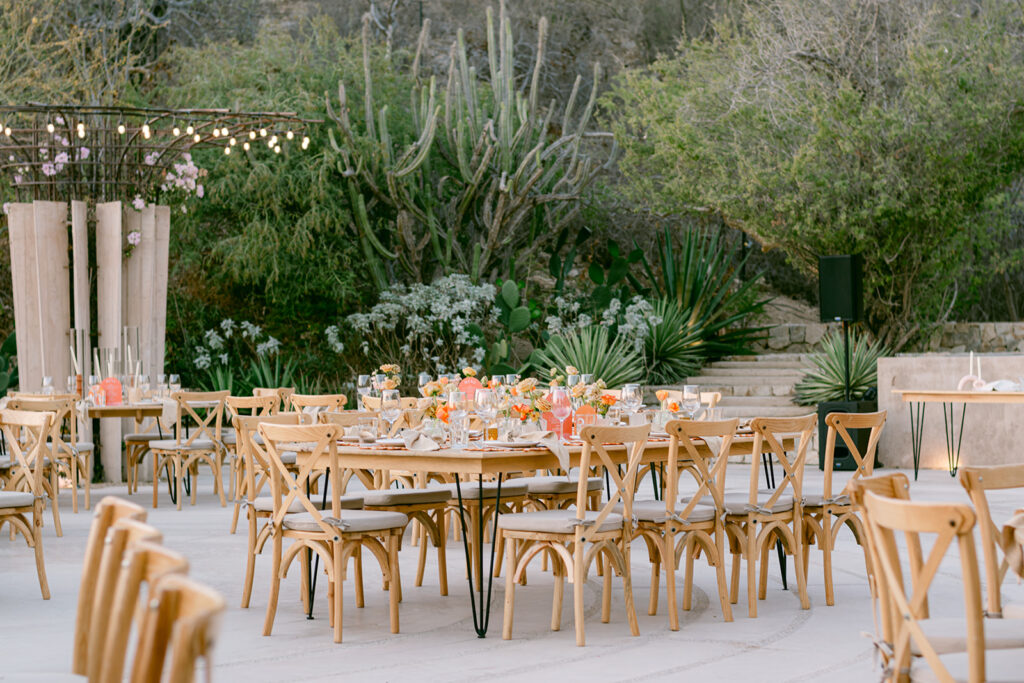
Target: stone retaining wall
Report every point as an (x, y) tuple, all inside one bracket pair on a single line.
[(952, 337)]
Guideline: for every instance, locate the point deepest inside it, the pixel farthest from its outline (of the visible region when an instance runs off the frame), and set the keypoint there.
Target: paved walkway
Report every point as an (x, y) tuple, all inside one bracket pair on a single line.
[(437, 641)]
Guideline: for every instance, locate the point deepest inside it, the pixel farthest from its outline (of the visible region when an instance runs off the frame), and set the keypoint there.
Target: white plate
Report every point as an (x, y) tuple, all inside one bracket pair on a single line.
[(390, 442), (350, 439), (508, 444)]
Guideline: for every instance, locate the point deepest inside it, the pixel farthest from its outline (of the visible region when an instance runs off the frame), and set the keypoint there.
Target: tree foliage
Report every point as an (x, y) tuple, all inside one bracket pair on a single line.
[(880, 128)]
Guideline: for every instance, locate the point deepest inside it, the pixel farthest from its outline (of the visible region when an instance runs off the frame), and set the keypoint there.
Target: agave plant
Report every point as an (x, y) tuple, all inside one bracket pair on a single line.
[(591, 351), (701, 282), (271, 372), (824, 379), (674, 349)]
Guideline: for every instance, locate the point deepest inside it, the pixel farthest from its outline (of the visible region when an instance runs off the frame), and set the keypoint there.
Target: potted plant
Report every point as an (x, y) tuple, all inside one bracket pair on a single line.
[(824, 385)]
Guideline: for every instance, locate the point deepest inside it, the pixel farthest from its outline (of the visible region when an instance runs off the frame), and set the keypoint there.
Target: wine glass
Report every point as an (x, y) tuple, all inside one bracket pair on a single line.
[(378, 382), (691, 400), (456, 414), (364, 388), (561, 407), (174, 384), (587, 378), (423, 381), (390, 407), (95, 391), (486, 406), (511, 380), (631, 398), (48, 385), (161, 385)]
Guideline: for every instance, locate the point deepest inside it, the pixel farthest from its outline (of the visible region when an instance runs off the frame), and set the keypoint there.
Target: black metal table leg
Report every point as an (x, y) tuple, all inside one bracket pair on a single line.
[(654, 481), (917, 432), (952, 440), (312, 569), (769, 475), (481, 607)]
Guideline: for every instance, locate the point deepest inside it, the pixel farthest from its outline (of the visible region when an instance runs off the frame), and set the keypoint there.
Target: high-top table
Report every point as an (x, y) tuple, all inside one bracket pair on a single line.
[(918, 400), (481, 462)]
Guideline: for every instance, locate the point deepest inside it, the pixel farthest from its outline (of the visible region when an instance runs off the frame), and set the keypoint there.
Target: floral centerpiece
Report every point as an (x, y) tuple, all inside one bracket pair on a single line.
[(666, 404), (526, 402), (393, 375), (436, 407), (593, 395)]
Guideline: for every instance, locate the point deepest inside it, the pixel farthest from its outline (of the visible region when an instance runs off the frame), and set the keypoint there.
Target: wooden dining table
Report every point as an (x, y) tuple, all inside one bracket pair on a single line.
[(483, 463)]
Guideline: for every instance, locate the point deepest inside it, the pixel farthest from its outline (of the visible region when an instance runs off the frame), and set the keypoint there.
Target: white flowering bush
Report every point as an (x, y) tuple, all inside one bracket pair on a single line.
[(424, 327), (228, 351), (632, 321)]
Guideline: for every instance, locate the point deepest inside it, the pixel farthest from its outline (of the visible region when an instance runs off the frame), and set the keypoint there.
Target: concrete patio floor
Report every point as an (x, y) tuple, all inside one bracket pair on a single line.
[(437, 641)]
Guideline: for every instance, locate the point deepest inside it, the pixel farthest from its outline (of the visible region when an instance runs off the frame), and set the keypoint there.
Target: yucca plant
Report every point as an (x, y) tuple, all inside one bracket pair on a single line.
[(591, 350), (674, 349), (824, 379), (266, 372)]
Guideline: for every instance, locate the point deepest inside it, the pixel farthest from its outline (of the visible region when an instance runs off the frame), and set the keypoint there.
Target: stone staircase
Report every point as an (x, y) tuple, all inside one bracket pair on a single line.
[(755, 386)]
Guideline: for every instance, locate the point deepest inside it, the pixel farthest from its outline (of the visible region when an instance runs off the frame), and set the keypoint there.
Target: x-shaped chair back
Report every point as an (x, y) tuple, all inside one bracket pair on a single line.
[(315, 404), (948, 522), (63, 409), (257, 463), (769, 433), (207, 427), (240, 406), (977, 480), (595, 439), (180, 624), (281, 393), (26, 433), (841, 423), (708, 472), (287, 487)]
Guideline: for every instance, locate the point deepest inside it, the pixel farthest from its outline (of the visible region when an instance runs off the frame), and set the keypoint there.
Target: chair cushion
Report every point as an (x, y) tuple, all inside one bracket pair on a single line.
[(5, 462), (351, 521), (16, 499), (266, 504), (654, 511), (471, 489), (1001, 666), (404, 497), (141, 438), (736, 503), (289, 457), (558, 484), (816, 500), (172, 445), (554, 521), (949, 634)]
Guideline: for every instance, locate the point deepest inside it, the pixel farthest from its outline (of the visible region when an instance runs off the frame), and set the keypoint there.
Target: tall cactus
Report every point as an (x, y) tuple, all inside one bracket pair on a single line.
[(493, 185)]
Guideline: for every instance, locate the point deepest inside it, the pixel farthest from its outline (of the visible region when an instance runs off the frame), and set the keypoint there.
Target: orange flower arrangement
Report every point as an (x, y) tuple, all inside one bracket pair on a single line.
[(608, 399), (442, 412), (662, 395), (673, 407)]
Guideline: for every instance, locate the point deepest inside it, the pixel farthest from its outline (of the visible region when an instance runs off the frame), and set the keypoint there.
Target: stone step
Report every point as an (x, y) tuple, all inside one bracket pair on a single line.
[(739, 380), (768, 358), (744, 388), (728, 412), (752, 373), (763, 365)]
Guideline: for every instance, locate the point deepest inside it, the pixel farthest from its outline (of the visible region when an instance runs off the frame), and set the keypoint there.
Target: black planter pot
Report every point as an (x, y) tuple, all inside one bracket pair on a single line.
[(843, 459)]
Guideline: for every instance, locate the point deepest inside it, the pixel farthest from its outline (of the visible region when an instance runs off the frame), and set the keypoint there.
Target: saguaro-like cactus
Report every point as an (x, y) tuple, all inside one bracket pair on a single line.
[(488, 178)]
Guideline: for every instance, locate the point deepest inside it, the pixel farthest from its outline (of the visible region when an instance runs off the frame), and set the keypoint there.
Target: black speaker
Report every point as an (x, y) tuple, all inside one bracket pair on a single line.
[(840, 293)]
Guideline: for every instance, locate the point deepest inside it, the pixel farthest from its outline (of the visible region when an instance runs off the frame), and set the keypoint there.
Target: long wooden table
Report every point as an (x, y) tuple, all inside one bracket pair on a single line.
[(487, 462), (920, 398)]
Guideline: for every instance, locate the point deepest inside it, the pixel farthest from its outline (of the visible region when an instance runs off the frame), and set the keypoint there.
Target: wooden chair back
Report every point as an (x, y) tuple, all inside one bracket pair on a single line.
[(405, 402), (105, 619), (769, 433), (65, 419), (108, 512), (977, 480), (709, 473), (595, 454), (282, 394), (187, 418), (317, 403), (345, 418), (26, 433), (947, 522), (708, 400), (287, 487), (237, 406), (179, 627), (257, 466), (841, 424)]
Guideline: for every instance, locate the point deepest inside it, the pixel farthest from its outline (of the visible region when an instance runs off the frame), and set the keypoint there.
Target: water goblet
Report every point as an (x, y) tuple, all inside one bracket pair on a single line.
[(390, 407), (364, 388), (561, 407), (691, 400)]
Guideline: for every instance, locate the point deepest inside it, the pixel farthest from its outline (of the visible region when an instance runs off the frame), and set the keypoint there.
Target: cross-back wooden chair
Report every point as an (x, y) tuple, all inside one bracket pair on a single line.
[(565, 534), (755, 520), (316, 403), (108, 512), (405, 403), (282, 394), (23, 497), (178, 630), (977, 480), (350, 418), (698, 525), (332, 533), (949, 524), (136, 447), (241, 406), (196, 440), (825, 514)]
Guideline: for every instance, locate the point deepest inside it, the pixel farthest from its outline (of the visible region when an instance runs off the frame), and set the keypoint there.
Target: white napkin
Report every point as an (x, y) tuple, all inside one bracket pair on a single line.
[(714, 444), (551, 441), (1013, 542), (417, 441), (169, 415)]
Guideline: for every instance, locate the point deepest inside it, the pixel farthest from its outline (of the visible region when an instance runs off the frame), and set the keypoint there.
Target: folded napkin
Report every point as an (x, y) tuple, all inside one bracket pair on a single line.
[(364, 435), (169, 414), (551, 441), (715, 444), (417, 441), (1013, 542)]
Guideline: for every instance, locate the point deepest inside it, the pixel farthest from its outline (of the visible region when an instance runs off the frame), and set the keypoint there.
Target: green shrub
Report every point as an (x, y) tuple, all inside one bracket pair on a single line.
[(824, 379), (591, 350)]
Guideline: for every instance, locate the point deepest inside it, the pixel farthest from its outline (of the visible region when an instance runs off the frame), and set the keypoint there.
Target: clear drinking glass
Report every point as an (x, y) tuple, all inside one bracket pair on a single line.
[(691, 400), (456, 416), (48, 385), (423, 381), (161, 385), (511, 380), (587, 378), (390, 407), (174, 384), (378, 382), (364, 386), (96, 395), (632, 398), (486, 407), (367, 429), (561, 407)]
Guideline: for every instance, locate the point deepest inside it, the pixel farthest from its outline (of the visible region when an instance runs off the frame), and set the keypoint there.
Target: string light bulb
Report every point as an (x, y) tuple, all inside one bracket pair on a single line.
[(232, 142), (277, 149), (252, 135), (224, 131), (7, 131), (49, 127), (263, 132), (216, 132), (196, 137), (305, 142), (290, 135), (146, 132), (175, 131), (273, 140), (245, 146), (227, 150), (81, 130), (190, 130), (121, 129)]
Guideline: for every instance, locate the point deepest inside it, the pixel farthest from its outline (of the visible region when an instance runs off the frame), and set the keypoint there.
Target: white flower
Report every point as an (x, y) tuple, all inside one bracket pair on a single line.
[(227, 326), (250, 331), (139, 203), (7, 207), (200, 192), (333, 339), (269, 347), (49, 169), (223, 359), (214, 340), (61, 158)]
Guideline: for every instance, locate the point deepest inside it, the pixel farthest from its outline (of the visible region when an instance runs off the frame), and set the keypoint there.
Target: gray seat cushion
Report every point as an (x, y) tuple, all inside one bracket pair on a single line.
[(949, 634), (737, 503), (351, 521), (405, 497), (654, 511), (818, 499), (288, 457), (471, 489), (141, 438), (266, 504), (1001, 666), (16, 499), (558, 484), (555, 521), (172, 445), (5, 462)]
